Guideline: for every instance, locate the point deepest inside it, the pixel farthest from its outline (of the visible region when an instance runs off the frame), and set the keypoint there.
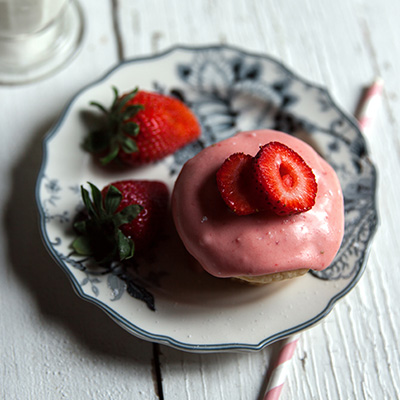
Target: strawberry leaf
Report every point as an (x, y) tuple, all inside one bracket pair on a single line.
[(131, 111), (131, 128), (80, 227), (98, 105), (113, 152), (128, 145), (126, 215), (88, 203), (97, 200), (121, 103), (118, 127), (112, 200), (126, 247), (82, 246), (116, 96)]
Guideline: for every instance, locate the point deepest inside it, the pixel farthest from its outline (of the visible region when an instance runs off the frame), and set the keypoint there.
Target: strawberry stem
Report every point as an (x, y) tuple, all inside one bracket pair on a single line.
[(120, 131), (99, 235)]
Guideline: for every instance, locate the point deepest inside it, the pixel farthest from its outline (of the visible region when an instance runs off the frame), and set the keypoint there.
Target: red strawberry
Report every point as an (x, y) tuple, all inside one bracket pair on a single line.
[(125, 216), (153, 197), (143, 127), (235, 184), (284, 178)]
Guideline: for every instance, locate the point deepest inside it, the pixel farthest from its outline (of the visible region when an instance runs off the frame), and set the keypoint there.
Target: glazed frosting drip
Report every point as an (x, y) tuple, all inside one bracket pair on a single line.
[(227, 245)]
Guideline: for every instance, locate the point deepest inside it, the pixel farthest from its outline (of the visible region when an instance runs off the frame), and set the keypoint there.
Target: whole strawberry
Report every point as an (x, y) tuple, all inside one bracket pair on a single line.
[(124, 217), (143, 127), (153, 197)]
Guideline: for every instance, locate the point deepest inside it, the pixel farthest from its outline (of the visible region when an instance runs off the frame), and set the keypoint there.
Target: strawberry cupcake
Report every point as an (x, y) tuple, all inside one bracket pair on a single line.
[(260, 206)]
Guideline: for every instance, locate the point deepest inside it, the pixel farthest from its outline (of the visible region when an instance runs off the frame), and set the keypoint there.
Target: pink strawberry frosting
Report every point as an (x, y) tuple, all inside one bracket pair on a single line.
[(227, 245)]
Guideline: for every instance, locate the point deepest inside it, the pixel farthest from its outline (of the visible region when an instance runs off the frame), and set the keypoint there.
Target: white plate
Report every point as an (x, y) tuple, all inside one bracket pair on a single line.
[(229, 90)]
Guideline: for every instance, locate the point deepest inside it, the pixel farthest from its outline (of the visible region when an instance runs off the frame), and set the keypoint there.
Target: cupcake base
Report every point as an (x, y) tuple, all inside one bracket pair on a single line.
[(269, 278)]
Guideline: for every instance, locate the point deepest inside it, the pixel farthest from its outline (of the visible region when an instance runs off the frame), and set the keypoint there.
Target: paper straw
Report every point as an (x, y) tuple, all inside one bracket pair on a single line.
[(280, 370), (369, 105), (366, 114)]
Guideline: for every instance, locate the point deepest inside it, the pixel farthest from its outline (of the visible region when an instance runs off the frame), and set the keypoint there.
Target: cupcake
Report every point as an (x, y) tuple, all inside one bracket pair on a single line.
[(236, 228)]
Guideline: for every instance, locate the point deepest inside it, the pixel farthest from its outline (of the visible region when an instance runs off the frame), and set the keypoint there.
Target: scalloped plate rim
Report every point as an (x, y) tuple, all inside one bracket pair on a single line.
[(165, 339)]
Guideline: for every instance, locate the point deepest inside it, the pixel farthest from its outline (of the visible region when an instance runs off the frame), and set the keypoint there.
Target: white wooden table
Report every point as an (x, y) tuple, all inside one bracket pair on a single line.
[(53, 345)]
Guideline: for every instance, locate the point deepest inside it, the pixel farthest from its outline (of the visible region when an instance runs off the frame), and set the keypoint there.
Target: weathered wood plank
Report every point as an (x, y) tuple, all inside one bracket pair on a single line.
[(53, 344), (342, 45)]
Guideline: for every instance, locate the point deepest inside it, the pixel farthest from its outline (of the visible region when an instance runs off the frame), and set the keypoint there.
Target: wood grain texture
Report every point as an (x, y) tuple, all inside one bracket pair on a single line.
[(343, 46), (54, 345)]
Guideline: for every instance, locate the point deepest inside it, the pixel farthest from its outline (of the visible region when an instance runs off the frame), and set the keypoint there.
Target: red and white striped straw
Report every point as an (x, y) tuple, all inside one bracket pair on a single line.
[(279, 372), (366, 114), (369, 105)]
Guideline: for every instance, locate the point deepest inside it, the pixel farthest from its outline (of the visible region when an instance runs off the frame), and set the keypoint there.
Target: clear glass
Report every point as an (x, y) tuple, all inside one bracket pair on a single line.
[(37, 37)]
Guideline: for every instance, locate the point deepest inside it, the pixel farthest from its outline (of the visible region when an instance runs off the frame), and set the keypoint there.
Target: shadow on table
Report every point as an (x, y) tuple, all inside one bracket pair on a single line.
[(41, 276), (55, 298), (48, 284)]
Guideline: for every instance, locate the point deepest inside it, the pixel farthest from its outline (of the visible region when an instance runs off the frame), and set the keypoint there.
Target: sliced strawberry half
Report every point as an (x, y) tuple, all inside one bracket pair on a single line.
[(284, 179), (236, 185)]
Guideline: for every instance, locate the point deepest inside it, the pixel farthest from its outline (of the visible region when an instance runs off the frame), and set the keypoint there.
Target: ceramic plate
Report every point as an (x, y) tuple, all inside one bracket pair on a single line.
[(230, 90)]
